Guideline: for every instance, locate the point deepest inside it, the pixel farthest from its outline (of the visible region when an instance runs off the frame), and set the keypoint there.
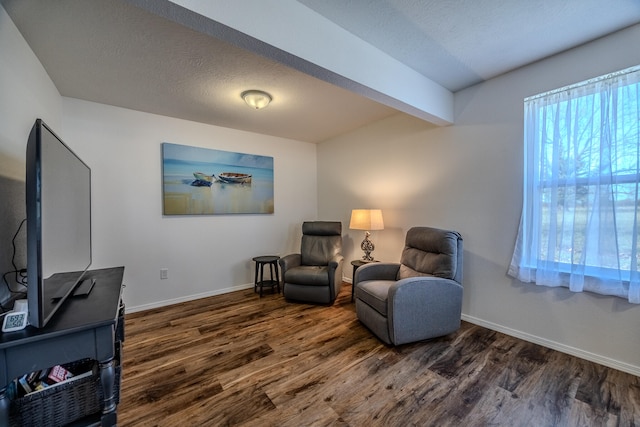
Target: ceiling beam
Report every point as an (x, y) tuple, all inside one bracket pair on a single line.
[(296, 36)]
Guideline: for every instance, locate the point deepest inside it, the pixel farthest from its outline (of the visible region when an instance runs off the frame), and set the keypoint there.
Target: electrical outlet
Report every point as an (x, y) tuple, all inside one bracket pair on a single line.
[(164, 273)]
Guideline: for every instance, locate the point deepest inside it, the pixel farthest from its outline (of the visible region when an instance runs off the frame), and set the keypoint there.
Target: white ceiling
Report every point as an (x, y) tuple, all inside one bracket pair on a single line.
[(191, 59), (459, 43)]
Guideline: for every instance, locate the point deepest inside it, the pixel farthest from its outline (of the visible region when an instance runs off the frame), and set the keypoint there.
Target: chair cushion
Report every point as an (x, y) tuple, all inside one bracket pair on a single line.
[(375, 293), (308, 275), (321, 242), (429, 252), (406, 271), (319, 250)]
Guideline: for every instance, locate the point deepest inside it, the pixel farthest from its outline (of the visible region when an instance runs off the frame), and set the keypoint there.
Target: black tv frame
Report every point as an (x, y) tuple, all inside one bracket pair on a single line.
[(55, 174)]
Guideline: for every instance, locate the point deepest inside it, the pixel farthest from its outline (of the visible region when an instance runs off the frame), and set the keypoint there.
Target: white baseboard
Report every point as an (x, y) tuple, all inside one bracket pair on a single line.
[(592, 357), (187, 298)]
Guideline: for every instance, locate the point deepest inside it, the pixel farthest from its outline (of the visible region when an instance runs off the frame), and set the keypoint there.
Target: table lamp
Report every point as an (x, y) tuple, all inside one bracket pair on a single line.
[(366, 219)]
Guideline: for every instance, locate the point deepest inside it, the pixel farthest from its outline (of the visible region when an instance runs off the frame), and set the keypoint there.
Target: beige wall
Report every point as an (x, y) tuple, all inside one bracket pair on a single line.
[(206, 254), (468, 177), (26, 93)]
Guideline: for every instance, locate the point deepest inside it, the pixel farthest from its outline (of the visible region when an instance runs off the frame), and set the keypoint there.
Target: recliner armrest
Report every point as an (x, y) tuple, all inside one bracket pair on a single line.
[(289, 261), (403, 288), (423, 307), (377, 271)]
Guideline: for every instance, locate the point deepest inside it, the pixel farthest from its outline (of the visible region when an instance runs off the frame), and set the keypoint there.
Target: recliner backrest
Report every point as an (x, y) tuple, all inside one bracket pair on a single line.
[(432, 252), (321, 241)]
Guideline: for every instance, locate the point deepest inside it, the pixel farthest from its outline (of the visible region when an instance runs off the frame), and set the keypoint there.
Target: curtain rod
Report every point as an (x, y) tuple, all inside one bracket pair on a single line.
[(608, 76)]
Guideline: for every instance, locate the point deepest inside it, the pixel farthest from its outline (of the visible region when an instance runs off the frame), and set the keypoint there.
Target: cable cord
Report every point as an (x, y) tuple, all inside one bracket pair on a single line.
[(20, 273)]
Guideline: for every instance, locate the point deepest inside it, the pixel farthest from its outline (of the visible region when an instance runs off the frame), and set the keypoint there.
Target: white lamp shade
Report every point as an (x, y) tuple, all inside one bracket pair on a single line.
[(366, 219)]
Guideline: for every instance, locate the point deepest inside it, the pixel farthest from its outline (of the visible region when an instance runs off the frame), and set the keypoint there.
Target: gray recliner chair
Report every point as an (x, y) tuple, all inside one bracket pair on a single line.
[(315, 274), (419, 298)]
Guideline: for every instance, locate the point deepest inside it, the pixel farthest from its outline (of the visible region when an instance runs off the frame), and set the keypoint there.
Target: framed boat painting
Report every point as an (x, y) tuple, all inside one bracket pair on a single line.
[(203, 181)]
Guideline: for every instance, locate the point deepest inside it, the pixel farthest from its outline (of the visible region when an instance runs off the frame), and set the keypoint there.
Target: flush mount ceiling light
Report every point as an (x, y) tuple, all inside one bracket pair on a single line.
[(256, 99)]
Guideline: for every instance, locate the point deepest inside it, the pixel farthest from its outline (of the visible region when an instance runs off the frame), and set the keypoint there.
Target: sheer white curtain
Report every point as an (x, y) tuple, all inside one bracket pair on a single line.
[(579, 224)]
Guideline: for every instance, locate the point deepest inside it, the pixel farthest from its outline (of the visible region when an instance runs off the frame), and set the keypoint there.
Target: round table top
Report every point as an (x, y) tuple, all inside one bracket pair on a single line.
[(361, 262), (266, 258)]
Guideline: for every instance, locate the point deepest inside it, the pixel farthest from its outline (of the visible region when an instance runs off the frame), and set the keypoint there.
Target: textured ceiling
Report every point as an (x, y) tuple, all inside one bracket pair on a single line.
[(460, 43), (113, 52), (117, 54)]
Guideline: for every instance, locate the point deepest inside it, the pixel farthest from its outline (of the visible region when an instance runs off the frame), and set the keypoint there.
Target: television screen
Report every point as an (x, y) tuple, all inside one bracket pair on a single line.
[(58, 222)]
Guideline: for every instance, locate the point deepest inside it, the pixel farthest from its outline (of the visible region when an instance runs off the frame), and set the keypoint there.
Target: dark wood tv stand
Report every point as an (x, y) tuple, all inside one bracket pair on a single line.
[(84, 327)]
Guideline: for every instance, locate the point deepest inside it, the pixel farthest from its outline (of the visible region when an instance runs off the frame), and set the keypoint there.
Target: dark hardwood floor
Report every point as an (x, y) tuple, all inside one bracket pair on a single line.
[(238, 359)]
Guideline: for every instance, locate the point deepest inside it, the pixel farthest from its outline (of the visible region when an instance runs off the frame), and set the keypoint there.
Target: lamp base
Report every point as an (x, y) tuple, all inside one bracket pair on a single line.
[(368, 247)]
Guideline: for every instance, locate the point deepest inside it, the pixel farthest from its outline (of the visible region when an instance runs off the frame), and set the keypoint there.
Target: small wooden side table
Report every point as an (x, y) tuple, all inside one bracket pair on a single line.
[(272, 262)]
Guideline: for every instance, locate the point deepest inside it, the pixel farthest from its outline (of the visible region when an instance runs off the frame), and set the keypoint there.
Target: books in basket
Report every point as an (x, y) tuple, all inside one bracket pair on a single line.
[(59, 374), (43, 380)]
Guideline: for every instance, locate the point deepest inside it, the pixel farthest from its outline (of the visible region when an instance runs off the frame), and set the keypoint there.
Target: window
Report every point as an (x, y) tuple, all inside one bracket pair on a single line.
[(579, 224)]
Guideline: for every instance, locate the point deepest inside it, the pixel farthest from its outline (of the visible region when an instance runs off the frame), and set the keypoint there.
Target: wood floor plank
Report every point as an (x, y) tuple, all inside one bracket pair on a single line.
[(238, 359)]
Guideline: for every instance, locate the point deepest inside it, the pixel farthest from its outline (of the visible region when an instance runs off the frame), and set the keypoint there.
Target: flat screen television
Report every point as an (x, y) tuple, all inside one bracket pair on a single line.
[(58, 199)]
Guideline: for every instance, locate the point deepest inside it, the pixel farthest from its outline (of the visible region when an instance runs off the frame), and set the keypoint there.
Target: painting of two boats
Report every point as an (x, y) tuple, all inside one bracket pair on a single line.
[(202, 179), (205, 181)]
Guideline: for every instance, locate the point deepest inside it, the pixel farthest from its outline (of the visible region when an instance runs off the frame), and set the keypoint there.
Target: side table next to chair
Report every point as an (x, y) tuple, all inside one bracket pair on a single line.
[(260, 282)]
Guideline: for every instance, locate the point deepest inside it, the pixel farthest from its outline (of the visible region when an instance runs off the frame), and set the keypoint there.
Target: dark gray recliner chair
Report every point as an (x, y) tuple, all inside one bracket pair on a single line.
[(419, 298), (315, 274)]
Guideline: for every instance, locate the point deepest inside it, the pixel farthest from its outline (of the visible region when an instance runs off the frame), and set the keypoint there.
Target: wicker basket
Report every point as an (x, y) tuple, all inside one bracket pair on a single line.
[(65, 403)]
